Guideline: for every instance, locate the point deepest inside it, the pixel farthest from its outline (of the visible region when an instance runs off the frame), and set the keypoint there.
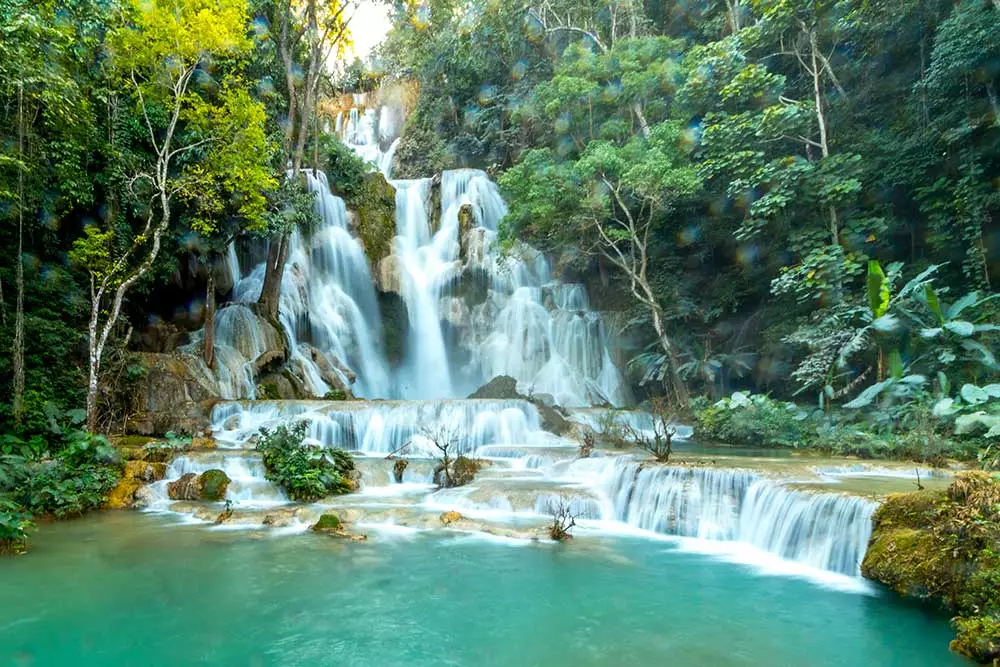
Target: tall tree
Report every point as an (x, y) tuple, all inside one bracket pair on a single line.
[(308, 34), (158, 49)]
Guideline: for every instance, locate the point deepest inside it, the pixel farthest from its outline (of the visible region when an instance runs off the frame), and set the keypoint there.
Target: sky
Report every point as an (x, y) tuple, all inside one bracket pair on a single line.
[(368, 28)]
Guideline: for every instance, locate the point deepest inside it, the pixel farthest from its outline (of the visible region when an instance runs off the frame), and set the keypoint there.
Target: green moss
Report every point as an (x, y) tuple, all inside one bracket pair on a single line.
[(268, 391), (375, 205), (328, 523), (214, 484), (943, 546), (335, 395), (131, 441), (977, 638)]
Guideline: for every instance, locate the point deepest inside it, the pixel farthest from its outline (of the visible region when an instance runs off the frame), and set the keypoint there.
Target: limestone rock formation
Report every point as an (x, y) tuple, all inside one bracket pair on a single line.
[(210, 485), (505, 387), (175, 393), (942, 546), (376, 216)]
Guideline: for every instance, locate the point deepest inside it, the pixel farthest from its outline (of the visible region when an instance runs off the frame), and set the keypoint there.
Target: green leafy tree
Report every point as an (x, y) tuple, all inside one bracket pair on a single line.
[(157, 50)]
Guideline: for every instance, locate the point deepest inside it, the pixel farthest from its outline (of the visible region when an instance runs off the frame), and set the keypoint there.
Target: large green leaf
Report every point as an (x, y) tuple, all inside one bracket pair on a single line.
[(878, 289), (933, 303)]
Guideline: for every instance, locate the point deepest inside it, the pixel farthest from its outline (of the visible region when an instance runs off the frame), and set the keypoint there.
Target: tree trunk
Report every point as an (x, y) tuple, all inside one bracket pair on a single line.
[(676, 382), (209, 342), (18, 351), (94, 361), (270, 293)]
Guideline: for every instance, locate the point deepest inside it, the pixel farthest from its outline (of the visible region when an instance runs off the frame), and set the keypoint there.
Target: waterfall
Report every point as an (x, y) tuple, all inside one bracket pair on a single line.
[(327, 311), (822, 530), (382, 427)]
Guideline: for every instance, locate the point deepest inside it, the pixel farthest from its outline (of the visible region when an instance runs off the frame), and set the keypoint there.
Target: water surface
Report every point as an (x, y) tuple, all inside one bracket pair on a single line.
[(130, 589)]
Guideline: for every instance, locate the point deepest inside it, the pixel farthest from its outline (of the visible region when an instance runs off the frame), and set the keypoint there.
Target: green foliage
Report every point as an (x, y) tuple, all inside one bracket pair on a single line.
[(344, 169), (305, 472), (754, 420), (942, 546), (15, 525), (74, 480)]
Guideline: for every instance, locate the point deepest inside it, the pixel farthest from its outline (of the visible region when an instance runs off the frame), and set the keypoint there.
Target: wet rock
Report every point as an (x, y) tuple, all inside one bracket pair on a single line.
[(388, 275), (327, 523), (398, 468), (454, 311), (175, 393), (213, 485), (505, 387), (143, 497), (185, 488), (330, 524), (463, 470), (375, 205), (123, 496), (278, 521), (451, 517), (210, 485), (473, 246), (144, 471), (940, 546)]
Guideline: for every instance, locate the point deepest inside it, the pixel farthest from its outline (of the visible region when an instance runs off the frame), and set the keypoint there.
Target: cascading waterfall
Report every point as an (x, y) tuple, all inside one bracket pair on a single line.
[(383, 427), (327, 310), (825, 531), (427, 262), (535, 329)]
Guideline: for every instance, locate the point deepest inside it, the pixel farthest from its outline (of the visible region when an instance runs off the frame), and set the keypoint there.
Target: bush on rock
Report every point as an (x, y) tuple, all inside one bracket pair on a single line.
[(305, 472)]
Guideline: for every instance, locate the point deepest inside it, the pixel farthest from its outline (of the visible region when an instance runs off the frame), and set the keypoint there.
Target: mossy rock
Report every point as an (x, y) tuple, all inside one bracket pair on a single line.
[(144, 471), (977, 638), (942, 546), (122, 497), (376, 208), (213, 485), (328, 523), (131, 442)]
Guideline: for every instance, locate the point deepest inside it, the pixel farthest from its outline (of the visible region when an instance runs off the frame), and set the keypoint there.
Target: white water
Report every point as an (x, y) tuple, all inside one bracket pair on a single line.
[(532, 473), (531, 327), (328, 312)]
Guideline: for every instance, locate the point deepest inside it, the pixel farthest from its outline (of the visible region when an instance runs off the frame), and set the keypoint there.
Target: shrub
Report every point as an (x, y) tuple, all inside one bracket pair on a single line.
[(746, 419), (305, 472), (14, 526), (76, 480)]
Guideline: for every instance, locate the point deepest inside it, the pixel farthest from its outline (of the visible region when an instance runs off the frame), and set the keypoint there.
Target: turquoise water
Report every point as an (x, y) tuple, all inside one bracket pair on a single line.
[(127, 589)]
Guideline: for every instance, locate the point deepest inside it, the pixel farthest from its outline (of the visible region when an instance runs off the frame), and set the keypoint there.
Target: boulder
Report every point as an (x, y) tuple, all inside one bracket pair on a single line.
[(210, 485), (505, 387), (213, 485), (327, 523), (388, 275), (398, 468), (176, 393), (375, 205), (185, 488), (123, 496), (451, 517)]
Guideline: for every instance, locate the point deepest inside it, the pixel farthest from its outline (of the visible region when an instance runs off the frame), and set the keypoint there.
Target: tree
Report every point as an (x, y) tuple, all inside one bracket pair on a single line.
[(36, 85), (227, 189), (634, 186), (157, 49), (324, 28)]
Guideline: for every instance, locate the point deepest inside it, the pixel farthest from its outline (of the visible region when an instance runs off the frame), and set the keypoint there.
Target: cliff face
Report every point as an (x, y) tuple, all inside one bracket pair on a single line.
[(944, 546)]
